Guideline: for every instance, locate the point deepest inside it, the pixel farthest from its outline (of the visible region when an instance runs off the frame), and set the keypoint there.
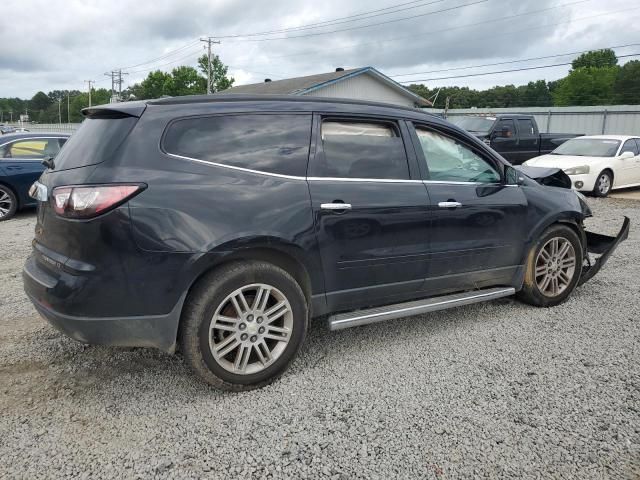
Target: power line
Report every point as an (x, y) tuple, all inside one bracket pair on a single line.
[(503, 71), (162, 57), (460, 27), (513, 61), (413, 17), (340, 20), (158, 67)]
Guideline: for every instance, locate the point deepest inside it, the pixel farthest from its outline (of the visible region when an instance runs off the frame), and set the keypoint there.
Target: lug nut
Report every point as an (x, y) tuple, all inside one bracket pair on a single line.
[(249, 318), (259, 320), (253, 338), (243, 336), (261, 330), (242, 326)]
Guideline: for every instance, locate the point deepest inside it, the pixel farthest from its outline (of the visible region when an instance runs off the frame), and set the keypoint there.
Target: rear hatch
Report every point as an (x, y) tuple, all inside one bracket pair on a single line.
[(97, 141)]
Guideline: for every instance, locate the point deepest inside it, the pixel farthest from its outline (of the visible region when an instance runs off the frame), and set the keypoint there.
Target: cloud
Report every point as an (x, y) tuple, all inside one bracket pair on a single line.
[(46, 45)]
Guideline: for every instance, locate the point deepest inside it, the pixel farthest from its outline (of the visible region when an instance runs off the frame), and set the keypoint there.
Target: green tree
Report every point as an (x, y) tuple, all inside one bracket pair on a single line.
[(626, 87), (38, 105), (534, 94), (155, 85), (586, 86), (186, 81), (220, 80), (596, 59)]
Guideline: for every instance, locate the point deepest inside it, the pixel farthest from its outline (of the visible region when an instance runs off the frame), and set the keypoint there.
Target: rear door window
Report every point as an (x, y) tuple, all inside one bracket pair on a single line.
[(361, 149), (272, 143), (526, 128)]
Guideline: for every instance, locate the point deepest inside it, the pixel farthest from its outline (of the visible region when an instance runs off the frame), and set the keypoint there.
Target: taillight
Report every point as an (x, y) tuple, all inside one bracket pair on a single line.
[(91, 201)]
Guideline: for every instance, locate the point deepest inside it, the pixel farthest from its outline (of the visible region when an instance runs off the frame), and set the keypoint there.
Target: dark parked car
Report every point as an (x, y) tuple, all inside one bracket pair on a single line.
[(21, 156), (222, 225), (515, 137)]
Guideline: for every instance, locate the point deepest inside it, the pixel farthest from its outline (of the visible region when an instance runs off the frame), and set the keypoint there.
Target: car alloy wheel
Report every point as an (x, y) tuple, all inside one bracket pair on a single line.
[(555, 266), (250, 329), (6, 204), (604, 184)]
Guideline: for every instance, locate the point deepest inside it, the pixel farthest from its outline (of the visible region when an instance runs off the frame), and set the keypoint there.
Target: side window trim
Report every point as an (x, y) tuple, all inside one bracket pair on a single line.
[(422, 161), (398, 126)]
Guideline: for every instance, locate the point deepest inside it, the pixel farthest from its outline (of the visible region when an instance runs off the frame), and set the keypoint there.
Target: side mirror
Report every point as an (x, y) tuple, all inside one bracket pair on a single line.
[(627, 155), (513, 176)]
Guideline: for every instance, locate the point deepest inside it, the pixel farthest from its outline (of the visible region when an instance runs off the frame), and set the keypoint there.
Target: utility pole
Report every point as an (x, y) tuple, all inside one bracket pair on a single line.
[(11, 115), (446, 107), (68, 108), (59, 110), (89, 82), (116, 79), (209, 41)]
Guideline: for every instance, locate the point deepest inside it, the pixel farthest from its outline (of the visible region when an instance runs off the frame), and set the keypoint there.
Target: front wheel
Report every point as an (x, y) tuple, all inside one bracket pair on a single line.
[(553, 268), (243, 324), (8, 203), (603, 184)]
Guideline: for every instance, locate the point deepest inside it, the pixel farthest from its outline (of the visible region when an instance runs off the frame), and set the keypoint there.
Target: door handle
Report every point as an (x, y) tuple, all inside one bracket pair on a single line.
[(449, 204), (335, 206)]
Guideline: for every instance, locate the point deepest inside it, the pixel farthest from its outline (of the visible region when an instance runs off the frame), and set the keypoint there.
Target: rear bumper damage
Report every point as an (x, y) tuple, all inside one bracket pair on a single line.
[(604, 246)]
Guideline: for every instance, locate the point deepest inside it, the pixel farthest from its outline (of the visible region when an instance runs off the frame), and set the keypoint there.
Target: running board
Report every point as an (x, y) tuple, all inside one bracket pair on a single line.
[(433, 304)]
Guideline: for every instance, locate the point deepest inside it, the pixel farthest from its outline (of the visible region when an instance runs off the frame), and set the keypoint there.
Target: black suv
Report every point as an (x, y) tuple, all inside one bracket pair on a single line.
[(222, 224)]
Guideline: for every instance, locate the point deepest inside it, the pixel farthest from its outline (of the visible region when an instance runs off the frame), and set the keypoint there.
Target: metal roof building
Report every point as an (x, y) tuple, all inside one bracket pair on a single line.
[(359, 83)]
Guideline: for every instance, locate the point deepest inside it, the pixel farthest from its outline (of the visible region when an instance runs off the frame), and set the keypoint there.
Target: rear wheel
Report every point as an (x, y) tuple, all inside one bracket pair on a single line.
[(603, 184), (553, 268), (8, 203), (243, 324)]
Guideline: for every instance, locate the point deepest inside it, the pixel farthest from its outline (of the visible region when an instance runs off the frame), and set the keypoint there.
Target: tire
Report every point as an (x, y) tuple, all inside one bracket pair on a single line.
[(534, 291), (211, 324), (8, 203), (604, 183)]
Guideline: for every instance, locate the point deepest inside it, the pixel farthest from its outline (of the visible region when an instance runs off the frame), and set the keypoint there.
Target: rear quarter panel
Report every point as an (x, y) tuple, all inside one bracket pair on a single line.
[(210, 211)]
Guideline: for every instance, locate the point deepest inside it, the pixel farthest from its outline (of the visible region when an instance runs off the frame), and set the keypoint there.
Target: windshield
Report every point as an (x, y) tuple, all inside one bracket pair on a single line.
[(474, 124), (588, 147)]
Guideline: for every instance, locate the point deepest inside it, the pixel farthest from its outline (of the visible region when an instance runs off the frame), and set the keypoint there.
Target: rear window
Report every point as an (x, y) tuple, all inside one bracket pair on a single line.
[(361, 149), (95, 141), (273, 143)]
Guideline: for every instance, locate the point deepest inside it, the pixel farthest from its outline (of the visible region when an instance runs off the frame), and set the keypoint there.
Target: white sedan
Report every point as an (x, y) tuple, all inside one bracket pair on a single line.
[(596, 163)]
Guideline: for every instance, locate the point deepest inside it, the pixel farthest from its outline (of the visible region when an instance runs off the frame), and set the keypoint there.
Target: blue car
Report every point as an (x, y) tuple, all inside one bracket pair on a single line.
[(21, 156)]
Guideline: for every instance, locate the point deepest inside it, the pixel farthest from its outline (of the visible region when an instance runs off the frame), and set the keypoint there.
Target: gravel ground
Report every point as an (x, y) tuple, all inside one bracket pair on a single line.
[(491, 390)]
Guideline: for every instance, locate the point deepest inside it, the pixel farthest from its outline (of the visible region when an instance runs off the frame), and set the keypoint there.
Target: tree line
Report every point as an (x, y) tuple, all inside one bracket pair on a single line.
[(595, 78), (66, 105)]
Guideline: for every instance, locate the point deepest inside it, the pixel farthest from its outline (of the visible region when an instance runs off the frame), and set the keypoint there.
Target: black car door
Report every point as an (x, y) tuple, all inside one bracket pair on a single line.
[(478, 230), (371, 211)]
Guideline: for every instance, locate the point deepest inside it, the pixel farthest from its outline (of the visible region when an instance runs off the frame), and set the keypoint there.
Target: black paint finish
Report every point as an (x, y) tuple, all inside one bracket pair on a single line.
[(139, 261)]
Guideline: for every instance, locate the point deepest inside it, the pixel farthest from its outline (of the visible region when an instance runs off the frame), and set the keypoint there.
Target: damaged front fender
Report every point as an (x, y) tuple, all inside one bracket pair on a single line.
[(604, 246)]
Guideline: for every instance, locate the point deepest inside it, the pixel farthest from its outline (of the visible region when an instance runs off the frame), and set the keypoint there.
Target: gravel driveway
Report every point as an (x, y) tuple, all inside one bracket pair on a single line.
[(490, 390)]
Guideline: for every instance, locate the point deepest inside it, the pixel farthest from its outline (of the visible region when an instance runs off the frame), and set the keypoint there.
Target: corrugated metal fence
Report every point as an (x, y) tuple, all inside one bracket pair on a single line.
[(614, 120)]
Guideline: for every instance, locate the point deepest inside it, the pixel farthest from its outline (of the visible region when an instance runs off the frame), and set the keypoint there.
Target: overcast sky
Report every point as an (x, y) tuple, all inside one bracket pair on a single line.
[(55, 44)]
